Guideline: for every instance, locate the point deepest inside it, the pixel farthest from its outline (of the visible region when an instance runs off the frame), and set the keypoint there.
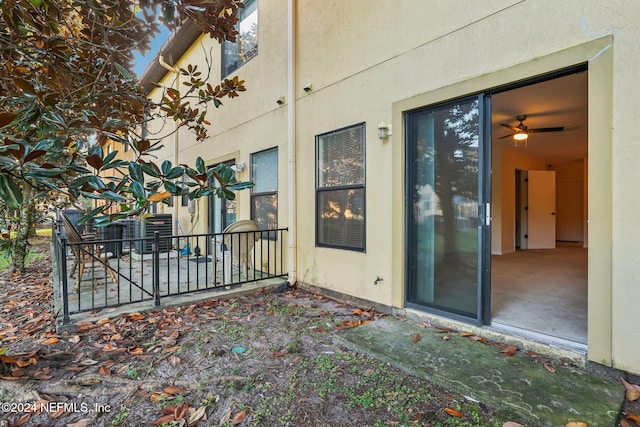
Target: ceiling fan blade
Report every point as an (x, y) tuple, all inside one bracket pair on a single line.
[(538, 130), (513, 128), (506, 136)]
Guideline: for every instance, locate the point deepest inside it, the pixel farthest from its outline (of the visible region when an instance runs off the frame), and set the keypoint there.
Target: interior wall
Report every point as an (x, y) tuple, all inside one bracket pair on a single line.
[(570, 201), (503, 188)]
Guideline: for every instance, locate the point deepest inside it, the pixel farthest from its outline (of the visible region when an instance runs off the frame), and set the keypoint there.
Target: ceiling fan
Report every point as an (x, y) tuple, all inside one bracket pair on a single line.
[(521, 132)]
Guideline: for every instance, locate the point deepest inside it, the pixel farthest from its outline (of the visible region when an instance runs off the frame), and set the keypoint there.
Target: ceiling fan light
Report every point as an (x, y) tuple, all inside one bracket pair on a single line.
[(520, 136)]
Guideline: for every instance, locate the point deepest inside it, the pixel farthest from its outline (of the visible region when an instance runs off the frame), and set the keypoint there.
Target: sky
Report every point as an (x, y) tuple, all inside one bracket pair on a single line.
[(140, 61)]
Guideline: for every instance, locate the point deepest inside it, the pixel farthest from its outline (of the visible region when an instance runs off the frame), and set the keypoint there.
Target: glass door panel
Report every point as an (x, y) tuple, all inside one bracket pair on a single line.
[(443, 248)]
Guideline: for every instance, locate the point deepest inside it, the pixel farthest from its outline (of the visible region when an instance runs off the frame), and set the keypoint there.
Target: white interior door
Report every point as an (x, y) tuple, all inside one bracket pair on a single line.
[(542, 209)]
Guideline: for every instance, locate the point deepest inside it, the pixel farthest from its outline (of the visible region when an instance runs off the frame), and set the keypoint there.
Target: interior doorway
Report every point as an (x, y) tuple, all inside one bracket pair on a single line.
[(539, 234)]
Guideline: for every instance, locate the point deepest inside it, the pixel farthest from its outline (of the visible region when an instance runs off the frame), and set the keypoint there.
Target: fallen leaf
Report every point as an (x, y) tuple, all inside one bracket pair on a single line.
[(174, 361), (423, 325), (7, 359), (136, 316), (446, 337), (576, 424), (416, 337), (239, 417), (164, 420), (466, 334), (181, 411), (172, 390), (74, 339), (50, 341), (356, 311), (197, 415), (630, 395), (632, 390), (511, 424), (453, 412), (625, 423), (137, 351), (225, 416), (103, 370), (633, 417), (158, 397), (22, 420), (510, 350), (549, 368)]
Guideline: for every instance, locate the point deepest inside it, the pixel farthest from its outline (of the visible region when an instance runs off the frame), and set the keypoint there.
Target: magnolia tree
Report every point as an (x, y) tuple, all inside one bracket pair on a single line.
[(66, 89)]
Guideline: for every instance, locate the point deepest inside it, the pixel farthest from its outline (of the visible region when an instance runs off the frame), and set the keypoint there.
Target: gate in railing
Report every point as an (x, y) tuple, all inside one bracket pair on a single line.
[(108, 274)]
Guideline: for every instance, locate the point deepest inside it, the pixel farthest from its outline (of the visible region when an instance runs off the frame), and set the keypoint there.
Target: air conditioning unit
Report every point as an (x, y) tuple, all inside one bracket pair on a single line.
[(128, 231), (146, 228)]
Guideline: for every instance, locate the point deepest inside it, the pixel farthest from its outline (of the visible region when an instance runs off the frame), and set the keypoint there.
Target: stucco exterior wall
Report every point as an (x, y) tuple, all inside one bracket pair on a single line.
[(252, 122), (371, 61)]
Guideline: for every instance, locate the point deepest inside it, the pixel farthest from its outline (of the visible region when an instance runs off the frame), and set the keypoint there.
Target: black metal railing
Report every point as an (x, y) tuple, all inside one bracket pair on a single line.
[(115, 272)]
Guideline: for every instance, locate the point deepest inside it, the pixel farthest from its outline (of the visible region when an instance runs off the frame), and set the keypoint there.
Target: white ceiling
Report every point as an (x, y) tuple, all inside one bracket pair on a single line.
[(558, 102)]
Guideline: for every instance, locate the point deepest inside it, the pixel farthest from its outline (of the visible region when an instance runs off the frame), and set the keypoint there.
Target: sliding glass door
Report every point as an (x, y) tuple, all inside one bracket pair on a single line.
[(446, 207)]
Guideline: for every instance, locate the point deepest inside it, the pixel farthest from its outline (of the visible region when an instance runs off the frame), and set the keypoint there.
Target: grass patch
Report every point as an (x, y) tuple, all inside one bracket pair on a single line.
[(5, 261)]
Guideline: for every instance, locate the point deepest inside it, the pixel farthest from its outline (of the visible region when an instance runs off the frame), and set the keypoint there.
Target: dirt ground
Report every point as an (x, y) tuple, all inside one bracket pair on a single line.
[(261, 359)]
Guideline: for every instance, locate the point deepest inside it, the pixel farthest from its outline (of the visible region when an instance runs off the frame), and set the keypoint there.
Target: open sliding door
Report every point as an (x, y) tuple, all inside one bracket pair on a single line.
[(447, 208)]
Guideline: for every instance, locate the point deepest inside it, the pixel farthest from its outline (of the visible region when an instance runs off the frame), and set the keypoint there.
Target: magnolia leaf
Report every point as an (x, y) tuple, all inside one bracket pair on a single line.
[(123, 71), (453, 412), (165, 167), (181, 411), (197, 415), (225, 417), (172, 390), (417, 337), (6, 118), (510, 350), (159, 196), (25, 86), (166, 419), (239, 417), (10, 192), (94, 161), (200, 165), (50, 341), (633, 417), (174, 361)]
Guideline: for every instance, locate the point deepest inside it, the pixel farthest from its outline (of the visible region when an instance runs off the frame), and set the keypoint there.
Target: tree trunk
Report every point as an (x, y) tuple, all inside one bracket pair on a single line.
[(19, 253)]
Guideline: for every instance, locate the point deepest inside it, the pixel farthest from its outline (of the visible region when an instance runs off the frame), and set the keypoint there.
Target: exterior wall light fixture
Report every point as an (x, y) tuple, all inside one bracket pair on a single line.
[(384, 130)]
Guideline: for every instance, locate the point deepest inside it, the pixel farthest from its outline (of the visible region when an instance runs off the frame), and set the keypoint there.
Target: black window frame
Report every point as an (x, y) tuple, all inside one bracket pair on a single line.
[(228, 69), (270, 235), (321, 190)]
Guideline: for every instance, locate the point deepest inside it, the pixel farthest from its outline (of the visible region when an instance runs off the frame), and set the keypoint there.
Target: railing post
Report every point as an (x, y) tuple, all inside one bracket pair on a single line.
[(155, 251), (62, 259)]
